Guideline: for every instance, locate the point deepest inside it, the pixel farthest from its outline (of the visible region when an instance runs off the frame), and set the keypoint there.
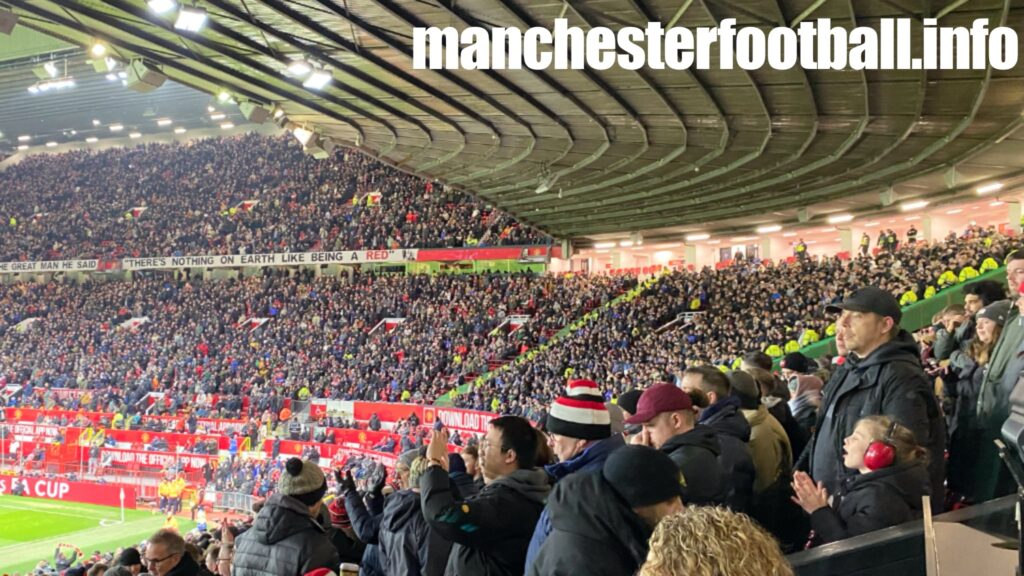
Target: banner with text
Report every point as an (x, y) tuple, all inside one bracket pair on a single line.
[(145, 459), (49, 266), (67, 491), (287, 259)]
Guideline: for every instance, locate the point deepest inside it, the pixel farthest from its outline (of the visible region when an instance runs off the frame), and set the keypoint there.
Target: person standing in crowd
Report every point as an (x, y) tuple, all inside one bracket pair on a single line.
[(131, 559), (166, 555), (960, 396), (954, 332), (463, 482), (704, 541), (580, 435), (408, 546), (1001, 376), (627, 403), (891, 480), (343, 536), (367, 514), (865, 244), (723, 416), (779, 408), (800, 251), (912, 235), (491, 531), (471, 456), (601, 521), (882, 375), (670, 425), (286, 539), (805, 392)]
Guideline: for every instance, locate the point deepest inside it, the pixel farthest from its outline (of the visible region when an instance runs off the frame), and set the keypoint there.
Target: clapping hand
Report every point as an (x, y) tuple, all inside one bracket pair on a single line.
[(809, 496)]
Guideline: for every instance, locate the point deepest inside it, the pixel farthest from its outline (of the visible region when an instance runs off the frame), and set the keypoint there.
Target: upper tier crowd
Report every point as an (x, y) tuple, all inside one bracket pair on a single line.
[(82, 204), (750, 305)]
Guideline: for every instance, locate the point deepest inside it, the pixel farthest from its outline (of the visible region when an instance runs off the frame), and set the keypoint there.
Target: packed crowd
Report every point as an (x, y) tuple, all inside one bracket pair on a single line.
[(751, 305), (245, 194), (323, 337)]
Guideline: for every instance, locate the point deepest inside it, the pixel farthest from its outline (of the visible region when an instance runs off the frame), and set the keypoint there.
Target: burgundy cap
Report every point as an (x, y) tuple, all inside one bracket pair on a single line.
[(657, 399)]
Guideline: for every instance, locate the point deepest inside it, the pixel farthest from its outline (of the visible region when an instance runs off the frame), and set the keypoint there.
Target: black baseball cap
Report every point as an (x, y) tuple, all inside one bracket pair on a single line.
[(643, 476), (870, 299)]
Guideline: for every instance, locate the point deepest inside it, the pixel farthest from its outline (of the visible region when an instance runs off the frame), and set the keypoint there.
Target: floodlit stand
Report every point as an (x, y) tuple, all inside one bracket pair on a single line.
[(1017, 470)]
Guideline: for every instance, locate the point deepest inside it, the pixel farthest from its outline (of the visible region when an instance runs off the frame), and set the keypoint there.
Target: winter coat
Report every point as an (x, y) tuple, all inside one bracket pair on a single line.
[(868, 502), (890, 382), (733, 430), (408, 547), (967, 438), (769, 448), (946, 343), (187, 567), (805, 403), (490, 532), (697, 454), (594, 531), (366, 524), (590, 460), (779, 408), (284, 540), (464, 484)]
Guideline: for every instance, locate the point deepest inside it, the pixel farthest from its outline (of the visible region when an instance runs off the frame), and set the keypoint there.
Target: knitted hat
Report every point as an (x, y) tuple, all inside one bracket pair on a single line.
[(130, 557), (996, 312), (643, 476), (339, 515), (456, 464), (303, 481), (628, 400), (796, 362), (745, 388), (405, 459), (581, 413)]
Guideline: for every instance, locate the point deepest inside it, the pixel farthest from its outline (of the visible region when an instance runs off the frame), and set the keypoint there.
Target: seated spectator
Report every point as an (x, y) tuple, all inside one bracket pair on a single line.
[(888, 489), (601, 521), (166, 555), (286, 539), (702, 541), (491, 531), (669, 424)]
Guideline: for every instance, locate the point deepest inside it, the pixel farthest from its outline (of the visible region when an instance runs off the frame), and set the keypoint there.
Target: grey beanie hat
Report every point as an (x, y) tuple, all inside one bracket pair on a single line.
[(303, 481), (408, 457)]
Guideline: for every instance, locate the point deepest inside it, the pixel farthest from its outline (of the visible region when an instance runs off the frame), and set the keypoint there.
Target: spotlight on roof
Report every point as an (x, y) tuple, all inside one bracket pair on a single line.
[(179, 130), (135, 135), (51, 144), (161, 6), (768, 229), (227, 126), (913, 205), (190, 19), (318, 79), (302, 135), (840, 218), (24, 138), (164, 122), (697, 237), (92, 139), (8, 20), (299, 68), (116, 127), (218, 116), (23, 147), (989, 188), (98, 49)]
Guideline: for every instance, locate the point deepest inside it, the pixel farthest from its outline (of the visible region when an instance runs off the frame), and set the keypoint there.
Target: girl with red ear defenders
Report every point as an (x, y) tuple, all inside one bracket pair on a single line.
[(887, 488)]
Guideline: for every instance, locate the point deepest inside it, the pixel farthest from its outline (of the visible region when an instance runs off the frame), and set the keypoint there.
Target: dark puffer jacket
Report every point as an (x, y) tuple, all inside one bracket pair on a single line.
[(890, 382), (696, 453), (869, 502), (408, 547), (284, 541), (726, 420), (594, 531)]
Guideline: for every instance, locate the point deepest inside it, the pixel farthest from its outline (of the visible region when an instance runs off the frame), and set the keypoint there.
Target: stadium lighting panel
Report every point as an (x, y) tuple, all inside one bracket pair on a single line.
[(227, 126), (23, 147), (161, 6), (218, 116), (318, 79), (98, 49), (697, 237), (24, 138), (51, 144), (164, 122), (302, 135), (92, 139), (299, 68), (768, 229), (190, 19), (179, 130), (116, 127)]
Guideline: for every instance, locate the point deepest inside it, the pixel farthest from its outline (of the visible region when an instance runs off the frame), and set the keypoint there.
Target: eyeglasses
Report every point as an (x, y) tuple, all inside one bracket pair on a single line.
[(157, 560)]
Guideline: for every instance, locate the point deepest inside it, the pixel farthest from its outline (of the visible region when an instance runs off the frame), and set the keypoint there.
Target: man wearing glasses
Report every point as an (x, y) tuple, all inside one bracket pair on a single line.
[(165, 556)]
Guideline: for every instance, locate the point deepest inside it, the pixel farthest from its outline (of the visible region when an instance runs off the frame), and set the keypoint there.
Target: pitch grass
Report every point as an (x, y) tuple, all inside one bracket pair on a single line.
[(30, 529)]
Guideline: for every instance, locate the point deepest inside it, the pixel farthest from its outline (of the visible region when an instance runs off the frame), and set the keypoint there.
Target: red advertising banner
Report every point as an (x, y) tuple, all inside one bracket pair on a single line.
[(173, 439), (32, 414), (67, 491), (149, 459), (470, 421), (505, 253)]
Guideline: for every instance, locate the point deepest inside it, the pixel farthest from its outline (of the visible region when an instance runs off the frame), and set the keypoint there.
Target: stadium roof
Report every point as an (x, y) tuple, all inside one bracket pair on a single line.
[(664, 152)]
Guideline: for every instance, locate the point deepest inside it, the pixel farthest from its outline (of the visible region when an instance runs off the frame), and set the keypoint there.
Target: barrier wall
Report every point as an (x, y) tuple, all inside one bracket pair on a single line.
[(68, 491)]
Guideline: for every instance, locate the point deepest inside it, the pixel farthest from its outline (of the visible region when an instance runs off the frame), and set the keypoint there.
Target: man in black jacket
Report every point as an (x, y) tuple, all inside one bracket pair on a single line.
[(882, 375), (724, 417), (669, 424), (490, 532), (601, 521), (166, 555), (286, 539)]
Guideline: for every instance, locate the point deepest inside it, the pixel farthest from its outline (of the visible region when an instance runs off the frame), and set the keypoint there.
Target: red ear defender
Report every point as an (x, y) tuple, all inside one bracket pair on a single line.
[(881, 453)]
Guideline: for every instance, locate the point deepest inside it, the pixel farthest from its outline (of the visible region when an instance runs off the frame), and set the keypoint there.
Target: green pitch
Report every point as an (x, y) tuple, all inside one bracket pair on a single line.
[(31, 528)]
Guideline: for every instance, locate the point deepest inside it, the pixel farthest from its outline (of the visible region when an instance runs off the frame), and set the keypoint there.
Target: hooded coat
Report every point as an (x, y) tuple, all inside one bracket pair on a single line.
[(697, 454), (868, 502), (726, 419), (490, 532), (890, 382), (408, 547), (594, 531), (284, 541)]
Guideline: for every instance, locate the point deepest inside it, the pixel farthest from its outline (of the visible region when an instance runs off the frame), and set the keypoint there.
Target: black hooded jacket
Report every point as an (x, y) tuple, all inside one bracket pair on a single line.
[(889, 382), (696, 453), (408, 547), (284, 541), (869, 502), (594, 531), (727, 421)]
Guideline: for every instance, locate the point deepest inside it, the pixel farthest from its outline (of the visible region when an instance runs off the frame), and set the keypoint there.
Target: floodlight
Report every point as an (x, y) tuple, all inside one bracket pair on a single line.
[(318, 79), (161, 6), (190, 19), (302, 135)]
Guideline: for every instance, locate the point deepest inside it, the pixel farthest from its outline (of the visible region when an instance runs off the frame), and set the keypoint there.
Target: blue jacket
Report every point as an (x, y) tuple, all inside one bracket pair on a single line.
[(590, 460)]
